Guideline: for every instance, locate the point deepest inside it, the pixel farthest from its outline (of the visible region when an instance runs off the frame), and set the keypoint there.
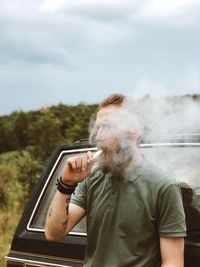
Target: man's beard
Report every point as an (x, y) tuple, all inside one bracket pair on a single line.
[(116, 161)]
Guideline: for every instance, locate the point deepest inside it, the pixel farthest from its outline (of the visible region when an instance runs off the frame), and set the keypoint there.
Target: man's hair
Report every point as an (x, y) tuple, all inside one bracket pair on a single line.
[(114, 99), (130, 107)]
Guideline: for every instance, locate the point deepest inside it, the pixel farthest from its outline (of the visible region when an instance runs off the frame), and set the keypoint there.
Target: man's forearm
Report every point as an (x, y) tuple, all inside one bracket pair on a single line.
[(172, 265), (57, 217), (58, 222)]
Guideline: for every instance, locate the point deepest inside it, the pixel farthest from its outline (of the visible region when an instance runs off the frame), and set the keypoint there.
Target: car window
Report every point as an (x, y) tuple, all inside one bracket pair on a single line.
[(181, 161), (37, 220)]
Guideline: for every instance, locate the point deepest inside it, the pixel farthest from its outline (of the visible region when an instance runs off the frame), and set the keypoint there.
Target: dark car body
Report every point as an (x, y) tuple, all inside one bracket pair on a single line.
[(179, 155)]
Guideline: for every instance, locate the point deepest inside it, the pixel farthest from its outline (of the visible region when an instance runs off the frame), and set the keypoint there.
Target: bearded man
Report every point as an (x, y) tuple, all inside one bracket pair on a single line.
[(134, 209)]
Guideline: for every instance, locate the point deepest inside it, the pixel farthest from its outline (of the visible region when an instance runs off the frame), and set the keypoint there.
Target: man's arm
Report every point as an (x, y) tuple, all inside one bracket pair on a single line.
[(172, 251), (62, 216)]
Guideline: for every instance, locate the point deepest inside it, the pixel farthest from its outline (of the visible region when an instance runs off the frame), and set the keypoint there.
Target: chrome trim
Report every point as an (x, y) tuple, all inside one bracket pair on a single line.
[(47, 181), (42, 256), (169, 144), (31, 254), (36, 263), (192, 244)]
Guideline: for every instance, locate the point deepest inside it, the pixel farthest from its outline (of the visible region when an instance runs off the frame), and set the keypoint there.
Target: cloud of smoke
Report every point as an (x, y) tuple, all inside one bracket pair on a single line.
[(171, 115), (163, 115)]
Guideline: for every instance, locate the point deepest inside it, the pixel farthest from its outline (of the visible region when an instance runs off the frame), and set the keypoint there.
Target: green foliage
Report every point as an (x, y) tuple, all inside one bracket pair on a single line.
[(21, 130), (75, 120), (10, 188), (43, 130), (24, 171), (19, 172), (11, 204), (44, 134)]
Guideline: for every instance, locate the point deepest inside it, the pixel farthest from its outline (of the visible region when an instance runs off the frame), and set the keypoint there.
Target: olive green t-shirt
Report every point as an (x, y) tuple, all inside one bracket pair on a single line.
[(126, 216)]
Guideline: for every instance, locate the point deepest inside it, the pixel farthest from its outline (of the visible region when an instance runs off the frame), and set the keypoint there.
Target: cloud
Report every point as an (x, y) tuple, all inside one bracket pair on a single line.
[(106, 46), (167, 8), (190, 84), (55, 6), (116, 9)]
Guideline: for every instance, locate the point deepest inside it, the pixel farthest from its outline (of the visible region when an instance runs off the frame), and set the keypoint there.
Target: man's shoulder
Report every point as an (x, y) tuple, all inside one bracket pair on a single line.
[(156, 175)]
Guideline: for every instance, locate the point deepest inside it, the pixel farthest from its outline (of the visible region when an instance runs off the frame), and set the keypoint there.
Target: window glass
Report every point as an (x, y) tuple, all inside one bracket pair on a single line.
[(38, 220), (182, 162)]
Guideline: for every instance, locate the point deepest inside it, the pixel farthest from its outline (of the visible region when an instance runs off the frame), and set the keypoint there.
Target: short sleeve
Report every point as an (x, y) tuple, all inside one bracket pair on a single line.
[(80, 195), (171, 217)]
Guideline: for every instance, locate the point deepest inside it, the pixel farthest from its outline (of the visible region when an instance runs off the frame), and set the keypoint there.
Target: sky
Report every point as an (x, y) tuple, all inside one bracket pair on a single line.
[(72, 51)]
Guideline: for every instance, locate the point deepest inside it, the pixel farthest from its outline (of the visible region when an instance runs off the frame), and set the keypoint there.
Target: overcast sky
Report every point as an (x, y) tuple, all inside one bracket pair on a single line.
[(72, 51)]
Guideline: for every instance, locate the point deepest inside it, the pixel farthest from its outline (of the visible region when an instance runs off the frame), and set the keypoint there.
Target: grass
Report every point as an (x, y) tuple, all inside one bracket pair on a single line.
[(8, 224)]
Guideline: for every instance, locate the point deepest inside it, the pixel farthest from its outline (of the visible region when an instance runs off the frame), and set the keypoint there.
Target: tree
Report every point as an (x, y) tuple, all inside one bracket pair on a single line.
[(44, 134), (21, 129)]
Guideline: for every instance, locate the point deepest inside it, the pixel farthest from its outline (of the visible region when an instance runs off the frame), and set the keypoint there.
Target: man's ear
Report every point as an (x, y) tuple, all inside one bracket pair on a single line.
[(136, 135)]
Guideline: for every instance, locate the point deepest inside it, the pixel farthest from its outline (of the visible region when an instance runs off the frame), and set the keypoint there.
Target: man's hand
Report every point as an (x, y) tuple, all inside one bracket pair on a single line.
[(77, 168)]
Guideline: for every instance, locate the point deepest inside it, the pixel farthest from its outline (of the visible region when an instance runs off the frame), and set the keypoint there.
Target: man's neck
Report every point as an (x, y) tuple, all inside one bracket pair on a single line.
[(136, 160)]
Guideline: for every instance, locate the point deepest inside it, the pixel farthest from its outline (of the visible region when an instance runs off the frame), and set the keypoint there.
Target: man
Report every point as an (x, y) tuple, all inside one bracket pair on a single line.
[(134, 210)]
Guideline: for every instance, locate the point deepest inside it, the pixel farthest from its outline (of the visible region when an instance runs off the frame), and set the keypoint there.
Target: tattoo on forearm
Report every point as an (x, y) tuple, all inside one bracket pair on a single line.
[(67, 199), (67, 207), (50, 211), (67, 210), (64, 224)]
